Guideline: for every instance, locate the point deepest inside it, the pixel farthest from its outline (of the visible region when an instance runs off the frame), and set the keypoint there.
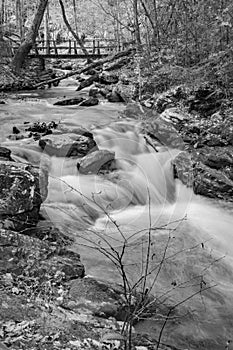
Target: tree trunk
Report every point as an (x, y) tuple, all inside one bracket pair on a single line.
[(1, 33), (2, 14), (136, 25), (46, 30), (157, 23), (19, 18), (75, 16), (27, 44), (147, 13), (75, 35), (117, 26), (18, 13)]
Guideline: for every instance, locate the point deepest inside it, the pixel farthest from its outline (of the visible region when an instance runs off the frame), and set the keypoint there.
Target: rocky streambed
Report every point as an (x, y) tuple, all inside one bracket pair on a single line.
[(45, 298), (45, 301)]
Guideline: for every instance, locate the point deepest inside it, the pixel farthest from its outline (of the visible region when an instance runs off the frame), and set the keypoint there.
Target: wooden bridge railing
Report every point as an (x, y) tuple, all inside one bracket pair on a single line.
[(71, 48)]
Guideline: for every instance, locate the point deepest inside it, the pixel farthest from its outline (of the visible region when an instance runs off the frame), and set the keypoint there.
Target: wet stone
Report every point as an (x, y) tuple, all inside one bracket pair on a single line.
[(93, 162), (67, 145), (212, 183), (91, 101), (69, 102), (21, 194), (5, 154)]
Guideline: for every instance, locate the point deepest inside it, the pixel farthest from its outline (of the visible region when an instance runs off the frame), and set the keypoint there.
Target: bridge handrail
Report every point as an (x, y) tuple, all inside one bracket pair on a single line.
[(98, 46)]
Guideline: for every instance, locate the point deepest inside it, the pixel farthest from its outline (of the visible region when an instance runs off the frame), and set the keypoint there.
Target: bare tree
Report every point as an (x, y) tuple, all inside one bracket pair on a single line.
[(137, 25), (46, 29), (75, 34), (29, 41), (75, 15), (2, 14), (19, 10)]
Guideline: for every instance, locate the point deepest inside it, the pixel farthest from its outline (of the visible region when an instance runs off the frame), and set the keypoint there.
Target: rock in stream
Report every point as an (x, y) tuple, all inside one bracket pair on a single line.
[(67, 145), (22, 190)]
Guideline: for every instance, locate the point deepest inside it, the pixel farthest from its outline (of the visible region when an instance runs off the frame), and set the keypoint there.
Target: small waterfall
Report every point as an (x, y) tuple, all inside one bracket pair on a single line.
[(143, 186), (143, 176)]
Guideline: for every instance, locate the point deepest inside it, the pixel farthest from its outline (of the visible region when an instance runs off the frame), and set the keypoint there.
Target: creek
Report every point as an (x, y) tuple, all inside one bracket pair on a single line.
[(141, 194)]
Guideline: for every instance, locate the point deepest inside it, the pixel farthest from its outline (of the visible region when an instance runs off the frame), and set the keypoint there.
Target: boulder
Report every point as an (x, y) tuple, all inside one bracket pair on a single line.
[(15, 137), (99, 298), (66, 66), (216, 157), (212, 183), (99, 90), (174, 115), (2, 102), (5, 154), (22, 190), (34, 130), (69, 102), (15, 130), (114, 97), (108, 79), (162, 133), (66, 262), (93, 162), (63, 129), (206, 99), (227, 129), (42, 127), (104, 91), (47, 260), (94, 91), (168, 99), (67, 145), (128, 92), (88, 82), (91, 101), (183, 168), (108, 167)]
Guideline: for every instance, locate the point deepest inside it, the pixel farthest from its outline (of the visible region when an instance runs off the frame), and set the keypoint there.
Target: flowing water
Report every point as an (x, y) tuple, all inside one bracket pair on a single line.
[(123, 206)]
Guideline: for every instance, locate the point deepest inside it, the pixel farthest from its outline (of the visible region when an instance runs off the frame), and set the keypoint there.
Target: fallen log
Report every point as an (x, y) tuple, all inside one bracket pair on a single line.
[(88, 67), (118, 64)]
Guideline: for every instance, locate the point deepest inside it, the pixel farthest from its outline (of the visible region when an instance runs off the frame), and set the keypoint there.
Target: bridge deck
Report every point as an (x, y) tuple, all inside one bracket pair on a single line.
[(67, 56)]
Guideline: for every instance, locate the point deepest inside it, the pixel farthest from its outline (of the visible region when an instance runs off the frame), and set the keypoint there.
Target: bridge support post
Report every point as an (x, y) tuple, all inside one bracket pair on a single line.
[(36, 49), (98, 47), (47, 47), (55, 48), (70, 47), (75, 48)]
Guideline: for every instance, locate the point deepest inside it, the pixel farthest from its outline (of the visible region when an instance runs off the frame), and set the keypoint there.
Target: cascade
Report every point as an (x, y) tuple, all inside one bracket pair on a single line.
[(139, 195)]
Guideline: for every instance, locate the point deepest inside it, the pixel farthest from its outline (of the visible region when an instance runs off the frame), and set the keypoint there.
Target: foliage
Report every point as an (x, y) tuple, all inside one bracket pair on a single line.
[(185, 31)]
